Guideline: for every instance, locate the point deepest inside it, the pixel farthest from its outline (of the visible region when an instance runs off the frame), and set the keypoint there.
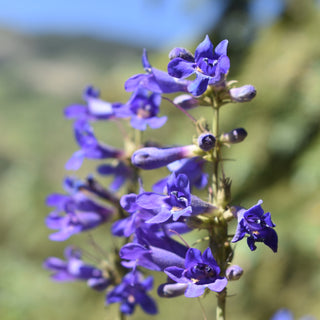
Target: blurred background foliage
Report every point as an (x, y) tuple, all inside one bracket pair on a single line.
[(278, 162)]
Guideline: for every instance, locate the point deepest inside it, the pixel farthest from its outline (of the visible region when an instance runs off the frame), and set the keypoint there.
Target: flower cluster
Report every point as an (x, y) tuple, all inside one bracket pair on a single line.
[(152, 223)]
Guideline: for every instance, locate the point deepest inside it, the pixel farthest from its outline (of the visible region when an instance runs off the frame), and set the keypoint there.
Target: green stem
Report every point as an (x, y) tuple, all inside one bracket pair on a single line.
[(215, 176), (219, 231), (221, 305), (122, 316)]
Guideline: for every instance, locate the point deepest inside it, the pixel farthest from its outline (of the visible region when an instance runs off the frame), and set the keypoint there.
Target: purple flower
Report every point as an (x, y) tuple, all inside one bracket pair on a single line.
[(172, 289), (285, 314), (210, 66), (82, 213), (153, 158), (191, 167), (132, 291), (186, 101), (282, 314), (96, 109), (176, 204), (91, 148), (120, 171), (155, 80), (258, 225), (200, 272), (143, 109), (153, 250), (138, 215), (75, 269)]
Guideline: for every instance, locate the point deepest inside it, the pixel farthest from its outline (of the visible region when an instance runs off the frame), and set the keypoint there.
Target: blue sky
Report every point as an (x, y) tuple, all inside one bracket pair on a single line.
[(152, 23)]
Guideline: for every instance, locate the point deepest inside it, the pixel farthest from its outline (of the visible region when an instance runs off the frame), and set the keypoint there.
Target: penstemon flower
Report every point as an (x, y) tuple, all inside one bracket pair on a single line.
[(153, 158), (132, 291), (75, 269), (210, 65), (258, 226), (200, 272), (152, 225), (82, 213), (142, 109), (96, 109), (155, 80), (91, 148)]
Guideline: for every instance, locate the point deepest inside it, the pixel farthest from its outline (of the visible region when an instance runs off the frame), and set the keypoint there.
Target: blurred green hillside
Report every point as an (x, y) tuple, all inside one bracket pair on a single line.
[(278, 162)]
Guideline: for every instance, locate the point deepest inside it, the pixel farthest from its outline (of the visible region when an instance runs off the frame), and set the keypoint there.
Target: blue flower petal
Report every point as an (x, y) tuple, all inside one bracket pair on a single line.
[(221, 48), (204, 49), (218, 285), (199, 85), (194, 290), (180, 68), (193, 257)]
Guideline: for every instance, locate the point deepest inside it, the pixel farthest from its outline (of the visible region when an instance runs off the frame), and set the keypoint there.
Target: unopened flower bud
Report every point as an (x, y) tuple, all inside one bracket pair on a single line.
[(234, 136), (153, 158), (234, 272), (243, 94), (181, 53), (171, 290), (186, 101), (206, 141)]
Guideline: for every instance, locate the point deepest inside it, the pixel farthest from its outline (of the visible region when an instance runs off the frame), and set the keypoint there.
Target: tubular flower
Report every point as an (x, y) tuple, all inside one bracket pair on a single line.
[(201, 271), (132, 291), (186, 101), (208, 64), (143, 109), (82, 213), (120, 171), (193, 168), (155, 80), (153, 158), (258, 225), (177, 203), (75, 269), (91, 148), (96, 109), (153, 250)]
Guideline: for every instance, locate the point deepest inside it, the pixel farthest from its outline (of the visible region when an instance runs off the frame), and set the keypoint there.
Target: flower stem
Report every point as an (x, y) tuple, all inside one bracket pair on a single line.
[(122, 316), (221, 305), (219, 232), (215, 176)]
